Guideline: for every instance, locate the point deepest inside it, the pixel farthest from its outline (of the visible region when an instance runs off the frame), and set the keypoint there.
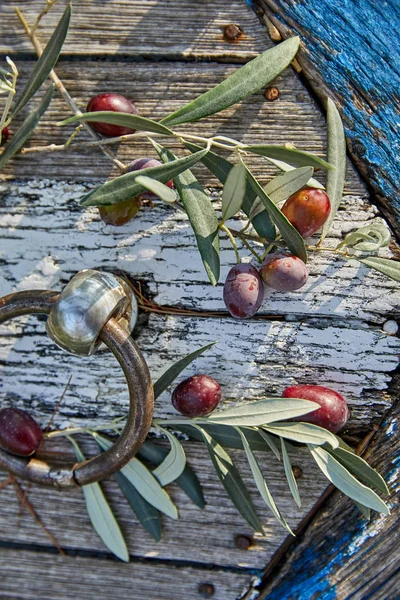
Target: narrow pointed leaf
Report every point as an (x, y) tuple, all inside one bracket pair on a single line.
[(345, 482), (125, 187), (119, 118), (261, 483), (144, 482), (291, 236), (245, 81), (159, 189), (364, 510), (26, 129), (172, 372), (220, 167), (360, 469), (173, 465), (232, 482), (285, 167), (270, 441), (101, 515), (201, 213), (336, 155), (45, 63), (268, 410), (188, 481), (390, 268), (234, 191), (294, 490), (295, 157), (305, 433), (148, 516)]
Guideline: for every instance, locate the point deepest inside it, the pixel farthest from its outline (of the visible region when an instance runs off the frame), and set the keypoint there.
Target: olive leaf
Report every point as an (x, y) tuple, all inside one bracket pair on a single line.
[(294, 490), (101, 515), (200, 211), (159, 189), (143, 481), (369, 238), (344, 480), (360, 469), (188, 481), (234, 191), (245, 81), (261, 483), (285, 167), (173, 465), (45, 63), (336, 155), (267, 410), (118, 118), (291, 236), (232, 481), (148, 516), (295, 157), (172, 372), (305, 433), (270, 441), (364, 510), (221, 167), (26, 129), (390, 268), (125, 187)]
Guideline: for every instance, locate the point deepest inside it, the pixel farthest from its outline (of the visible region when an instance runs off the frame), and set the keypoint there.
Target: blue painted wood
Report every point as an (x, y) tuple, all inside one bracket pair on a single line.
[(351, 50)]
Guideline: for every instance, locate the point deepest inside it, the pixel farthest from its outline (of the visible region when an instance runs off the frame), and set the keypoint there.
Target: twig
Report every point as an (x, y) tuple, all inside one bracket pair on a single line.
[(231, 239), (58, 405), (49, 6), (63, 91), (5, 483)]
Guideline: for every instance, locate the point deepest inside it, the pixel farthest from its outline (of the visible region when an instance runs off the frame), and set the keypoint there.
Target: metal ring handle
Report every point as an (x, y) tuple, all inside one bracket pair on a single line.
[(141, 398)]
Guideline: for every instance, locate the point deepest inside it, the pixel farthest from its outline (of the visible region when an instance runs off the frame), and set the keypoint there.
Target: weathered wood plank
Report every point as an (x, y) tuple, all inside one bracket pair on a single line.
[(199, 536), (157, 89), (347, 54), (142, 29), (342, 555), (31, 575)]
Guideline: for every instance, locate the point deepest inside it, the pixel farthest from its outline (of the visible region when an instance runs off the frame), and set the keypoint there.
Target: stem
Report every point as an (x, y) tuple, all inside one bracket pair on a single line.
[(73, 136), (14, 75), (232, 240), (49, 6), (246, 243), (63, 91), (324, 249), (268, 250), (75, 430)]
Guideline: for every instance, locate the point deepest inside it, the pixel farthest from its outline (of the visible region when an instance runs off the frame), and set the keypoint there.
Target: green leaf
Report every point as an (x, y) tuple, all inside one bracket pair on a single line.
[(234, 191), (287, 465), (291, 236), (119, 118), (101, 515), (172, 372), (269, 440), (305, 433), (245, 81), (174, 463), (148, 516), (143, 481), (296, 157), (263, 411), (337, 157), (261, 483), (390, 268), (125, 187), (221, 167), (159, 189), (188, 481), (360, 469), (369, 238), (46, 62), (344, 481), (201, 213), (232, 481), (26, 129), (364, 510), (284, 166)]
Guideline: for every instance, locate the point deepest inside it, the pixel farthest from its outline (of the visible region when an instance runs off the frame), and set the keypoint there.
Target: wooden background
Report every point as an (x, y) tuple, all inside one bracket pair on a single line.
[(162, 56)]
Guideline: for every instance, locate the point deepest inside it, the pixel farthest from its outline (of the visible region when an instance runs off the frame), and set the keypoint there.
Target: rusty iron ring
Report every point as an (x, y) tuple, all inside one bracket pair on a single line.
[(141, 397)]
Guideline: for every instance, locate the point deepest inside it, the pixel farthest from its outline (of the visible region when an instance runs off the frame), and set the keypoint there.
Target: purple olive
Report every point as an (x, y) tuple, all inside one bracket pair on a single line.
[(4, 135), (334, 411), (196, 396), (243, 291), (19, 432), (113, 102), (283, 271)]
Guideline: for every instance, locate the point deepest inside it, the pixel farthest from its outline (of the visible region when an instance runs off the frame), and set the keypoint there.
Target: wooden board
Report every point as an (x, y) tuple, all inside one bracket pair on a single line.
[(347, 55)]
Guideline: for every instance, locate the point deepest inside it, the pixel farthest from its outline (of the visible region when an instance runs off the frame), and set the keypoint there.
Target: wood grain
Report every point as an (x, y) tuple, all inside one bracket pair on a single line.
[(346, 54)]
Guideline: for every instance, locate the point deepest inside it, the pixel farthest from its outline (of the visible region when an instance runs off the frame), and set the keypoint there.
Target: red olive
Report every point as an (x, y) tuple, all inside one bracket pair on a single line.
[(196, 396), (19, 432), (284, 271), (334, 411), (307, 210), (116, 103), (4, 135)]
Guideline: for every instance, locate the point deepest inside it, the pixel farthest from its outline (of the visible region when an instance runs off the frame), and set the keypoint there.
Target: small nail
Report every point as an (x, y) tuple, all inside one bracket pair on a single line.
[(297, 472), (206, 590), (243, 542), (232, 32), (271, 94)]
